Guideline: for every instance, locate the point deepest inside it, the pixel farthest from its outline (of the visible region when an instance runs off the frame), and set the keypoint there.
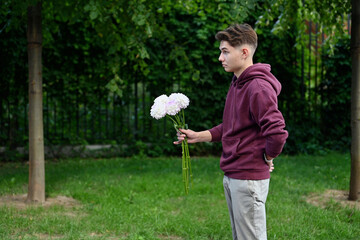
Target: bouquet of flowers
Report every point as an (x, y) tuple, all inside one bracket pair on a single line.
[(173, 107)]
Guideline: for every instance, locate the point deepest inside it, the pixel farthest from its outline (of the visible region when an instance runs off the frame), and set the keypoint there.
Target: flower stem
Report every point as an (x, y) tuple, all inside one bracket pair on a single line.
[(179, 122), (184, 169), (187, 154)]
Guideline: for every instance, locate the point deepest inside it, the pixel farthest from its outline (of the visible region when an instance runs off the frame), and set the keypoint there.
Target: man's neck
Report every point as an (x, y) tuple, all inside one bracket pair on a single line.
[(238, 73)]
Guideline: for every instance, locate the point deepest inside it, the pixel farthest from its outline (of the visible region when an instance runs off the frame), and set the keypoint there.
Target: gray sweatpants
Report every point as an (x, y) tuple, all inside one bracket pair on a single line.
[(246, 203)]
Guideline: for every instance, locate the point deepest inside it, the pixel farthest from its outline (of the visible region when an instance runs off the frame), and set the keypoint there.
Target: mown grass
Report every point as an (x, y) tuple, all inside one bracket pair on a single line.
[(143, 198)]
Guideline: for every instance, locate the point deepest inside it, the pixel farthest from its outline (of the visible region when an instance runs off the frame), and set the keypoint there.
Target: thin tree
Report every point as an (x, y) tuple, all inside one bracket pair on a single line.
[(36, 191), (355, 102)]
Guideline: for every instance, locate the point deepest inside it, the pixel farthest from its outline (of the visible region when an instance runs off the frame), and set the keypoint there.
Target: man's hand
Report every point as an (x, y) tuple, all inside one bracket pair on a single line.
[(271, 166), (269, 161), (192, 136), (189, 134)]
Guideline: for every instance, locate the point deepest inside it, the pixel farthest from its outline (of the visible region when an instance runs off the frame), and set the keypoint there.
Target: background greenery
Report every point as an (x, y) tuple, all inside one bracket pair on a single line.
[(105, 61)]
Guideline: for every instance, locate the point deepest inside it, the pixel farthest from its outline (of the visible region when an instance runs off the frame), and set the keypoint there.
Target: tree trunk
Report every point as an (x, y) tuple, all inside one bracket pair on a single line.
[(355, 102), (36, 191)]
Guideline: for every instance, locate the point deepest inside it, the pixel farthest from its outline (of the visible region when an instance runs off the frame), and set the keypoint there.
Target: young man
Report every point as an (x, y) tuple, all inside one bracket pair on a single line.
[(252, 132)]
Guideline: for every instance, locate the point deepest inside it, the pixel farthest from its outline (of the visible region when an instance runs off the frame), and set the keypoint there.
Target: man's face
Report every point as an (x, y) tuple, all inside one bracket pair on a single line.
[(232, 58)]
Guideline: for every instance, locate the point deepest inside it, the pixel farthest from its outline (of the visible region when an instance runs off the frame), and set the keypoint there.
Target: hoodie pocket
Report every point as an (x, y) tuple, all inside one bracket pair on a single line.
[(231, 147)]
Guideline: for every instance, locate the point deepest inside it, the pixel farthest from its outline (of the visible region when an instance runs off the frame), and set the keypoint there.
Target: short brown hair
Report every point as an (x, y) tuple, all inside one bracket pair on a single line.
[(238, 34)]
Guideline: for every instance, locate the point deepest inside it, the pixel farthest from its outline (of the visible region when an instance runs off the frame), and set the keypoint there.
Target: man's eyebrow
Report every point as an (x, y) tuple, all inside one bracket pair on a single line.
[(223, 48)]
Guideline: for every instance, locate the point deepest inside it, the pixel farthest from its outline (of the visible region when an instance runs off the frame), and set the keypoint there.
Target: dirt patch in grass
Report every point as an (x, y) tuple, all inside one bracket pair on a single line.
[(42, 236), (169, 237), (338, 196), (19, 201)]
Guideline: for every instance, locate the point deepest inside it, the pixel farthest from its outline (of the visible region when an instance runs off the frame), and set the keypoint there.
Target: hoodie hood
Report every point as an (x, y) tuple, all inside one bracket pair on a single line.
[(258, 71)]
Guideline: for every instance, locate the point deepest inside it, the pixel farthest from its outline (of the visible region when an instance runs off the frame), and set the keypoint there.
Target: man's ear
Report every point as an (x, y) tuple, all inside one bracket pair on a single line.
[(245, 52)]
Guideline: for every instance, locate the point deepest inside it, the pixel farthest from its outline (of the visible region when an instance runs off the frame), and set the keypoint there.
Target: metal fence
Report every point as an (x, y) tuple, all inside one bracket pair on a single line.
[(94, 119)]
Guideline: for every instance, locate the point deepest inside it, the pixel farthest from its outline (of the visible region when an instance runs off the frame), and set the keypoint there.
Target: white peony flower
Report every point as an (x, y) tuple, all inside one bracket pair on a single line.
[(172, 107), (163, 99), (158, 110), (181, 99)]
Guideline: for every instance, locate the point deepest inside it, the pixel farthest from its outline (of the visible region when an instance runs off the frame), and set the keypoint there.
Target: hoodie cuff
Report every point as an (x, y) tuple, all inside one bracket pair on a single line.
[(216, 133)]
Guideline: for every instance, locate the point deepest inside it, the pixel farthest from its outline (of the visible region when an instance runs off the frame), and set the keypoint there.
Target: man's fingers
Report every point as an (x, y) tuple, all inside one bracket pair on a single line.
[(271, 166), (184, 131), (181, 137)]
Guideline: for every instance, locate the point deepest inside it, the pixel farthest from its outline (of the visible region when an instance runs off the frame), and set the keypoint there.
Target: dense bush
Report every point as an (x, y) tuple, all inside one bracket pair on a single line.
[(336, 98), (102, 73)]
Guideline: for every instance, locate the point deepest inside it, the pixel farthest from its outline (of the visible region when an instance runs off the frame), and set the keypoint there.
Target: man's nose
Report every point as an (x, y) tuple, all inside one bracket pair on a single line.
[(221, 58)]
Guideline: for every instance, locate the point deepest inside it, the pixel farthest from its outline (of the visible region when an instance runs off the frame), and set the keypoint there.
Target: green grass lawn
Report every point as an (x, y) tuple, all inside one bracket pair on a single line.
[(143, 198)]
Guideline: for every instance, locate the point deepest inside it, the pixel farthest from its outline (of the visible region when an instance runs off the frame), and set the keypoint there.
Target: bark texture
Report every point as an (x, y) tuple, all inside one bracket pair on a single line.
[(36, 191), (355, 102)]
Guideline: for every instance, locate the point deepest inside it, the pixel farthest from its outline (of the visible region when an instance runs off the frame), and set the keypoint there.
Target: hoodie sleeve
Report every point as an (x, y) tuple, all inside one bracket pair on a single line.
[(265, 112), (216, 133)]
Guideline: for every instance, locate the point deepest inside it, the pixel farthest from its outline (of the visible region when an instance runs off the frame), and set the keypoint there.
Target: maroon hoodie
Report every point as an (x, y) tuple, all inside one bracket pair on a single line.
[(252, 124)]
